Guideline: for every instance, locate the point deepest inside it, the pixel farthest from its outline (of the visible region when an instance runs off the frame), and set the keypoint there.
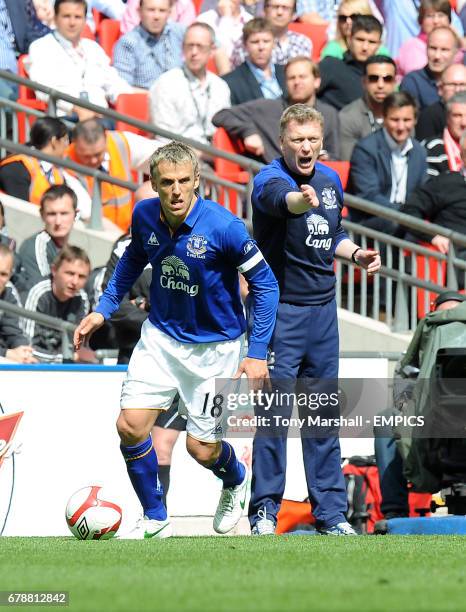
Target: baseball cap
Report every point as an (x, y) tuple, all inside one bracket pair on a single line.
[(446, 296)]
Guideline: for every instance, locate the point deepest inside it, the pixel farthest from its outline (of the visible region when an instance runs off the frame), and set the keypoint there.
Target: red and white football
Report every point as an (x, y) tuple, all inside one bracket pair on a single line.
[(90, 515)]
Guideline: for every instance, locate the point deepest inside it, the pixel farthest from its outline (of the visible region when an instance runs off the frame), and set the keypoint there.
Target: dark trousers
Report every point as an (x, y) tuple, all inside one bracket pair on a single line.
[(306, 346), (393, 484)]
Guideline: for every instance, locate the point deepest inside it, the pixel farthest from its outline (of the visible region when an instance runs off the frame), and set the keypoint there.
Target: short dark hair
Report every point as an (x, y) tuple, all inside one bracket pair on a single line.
[(366, 23), (70, 253), (58, 3), (6, 250), (267, 2), (44, 129), (398, 99), (55, 192), (90, 130), (259, 24), (439, 6), (379, 59)]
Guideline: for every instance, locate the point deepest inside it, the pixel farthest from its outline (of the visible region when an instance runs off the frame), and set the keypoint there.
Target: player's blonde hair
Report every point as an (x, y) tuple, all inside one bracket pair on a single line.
[(175, 153), (301, 113)]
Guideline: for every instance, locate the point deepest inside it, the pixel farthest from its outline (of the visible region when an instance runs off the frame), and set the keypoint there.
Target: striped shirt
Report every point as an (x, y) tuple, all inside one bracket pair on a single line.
[(140, 58), (296, 44), (7, 41)]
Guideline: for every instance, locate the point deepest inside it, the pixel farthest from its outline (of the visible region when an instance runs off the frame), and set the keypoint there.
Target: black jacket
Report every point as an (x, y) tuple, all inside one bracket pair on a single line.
[(441, 200), (244, 86), (340, 80), (11, 335)]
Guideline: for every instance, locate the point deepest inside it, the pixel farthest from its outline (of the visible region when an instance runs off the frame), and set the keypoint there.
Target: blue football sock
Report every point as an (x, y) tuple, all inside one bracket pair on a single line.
[(227, 467), (142, 466)]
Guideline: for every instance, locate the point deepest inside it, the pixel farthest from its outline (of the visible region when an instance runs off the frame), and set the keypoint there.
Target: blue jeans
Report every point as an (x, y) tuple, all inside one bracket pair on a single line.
[(393, 484)]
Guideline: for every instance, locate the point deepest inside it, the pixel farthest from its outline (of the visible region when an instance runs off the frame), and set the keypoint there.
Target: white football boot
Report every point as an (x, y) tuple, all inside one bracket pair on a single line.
[(231, 505)]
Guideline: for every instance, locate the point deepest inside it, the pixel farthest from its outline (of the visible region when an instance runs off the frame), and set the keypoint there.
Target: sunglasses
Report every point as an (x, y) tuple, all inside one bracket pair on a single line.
[(343, 18), (374, 78)]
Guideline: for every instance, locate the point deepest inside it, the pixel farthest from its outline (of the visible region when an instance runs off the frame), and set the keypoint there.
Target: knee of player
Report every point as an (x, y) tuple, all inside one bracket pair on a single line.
[(131, 431), (204, 453)]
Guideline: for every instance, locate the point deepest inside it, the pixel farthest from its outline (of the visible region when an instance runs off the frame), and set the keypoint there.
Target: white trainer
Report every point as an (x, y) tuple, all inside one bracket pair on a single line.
[(263, 527), (231, 505), (340, 529), (149, 528)]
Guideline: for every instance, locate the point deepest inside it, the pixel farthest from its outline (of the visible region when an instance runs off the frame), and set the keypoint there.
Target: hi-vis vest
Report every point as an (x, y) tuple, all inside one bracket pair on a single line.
[(39, 181), (117, 202)]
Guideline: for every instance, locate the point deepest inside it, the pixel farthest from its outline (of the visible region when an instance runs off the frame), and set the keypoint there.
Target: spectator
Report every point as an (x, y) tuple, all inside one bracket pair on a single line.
[(44, 12), (257, 122), (14, 345), (432, 118), (184, 100), (27, 178), (287, 44), (413, 52), (347, 9), (227, 20), (61, 296), (388, 165), (442, 46), (58, 211), (341, 79), (4, 234), (152, 48), (183, 12), (444, 151), (74, 65), (19, 27), (401, 22), (364, 116), (442, 200), (257, 77), (118, 154)]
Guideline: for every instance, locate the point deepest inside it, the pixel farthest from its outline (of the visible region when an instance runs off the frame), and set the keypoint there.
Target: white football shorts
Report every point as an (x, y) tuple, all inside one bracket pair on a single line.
[(160, 366)]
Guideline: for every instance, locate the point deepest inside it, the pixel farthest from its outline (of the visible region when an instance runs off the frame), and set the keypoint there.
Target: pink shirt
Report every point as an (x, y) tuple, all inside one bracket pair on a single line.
[(183, 12), (412, 55)]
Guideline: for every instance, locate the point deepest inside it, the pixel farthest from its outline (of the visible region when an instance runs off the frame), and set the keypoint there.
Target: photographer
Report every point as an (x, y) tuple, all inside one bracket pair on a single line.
[(419, 354)]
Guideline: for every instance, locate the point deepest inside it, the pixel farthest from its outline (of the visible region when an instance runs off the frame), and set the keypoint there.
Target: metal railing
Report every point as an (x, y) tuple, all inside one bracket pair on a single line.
[(64, 327), (392, 297)]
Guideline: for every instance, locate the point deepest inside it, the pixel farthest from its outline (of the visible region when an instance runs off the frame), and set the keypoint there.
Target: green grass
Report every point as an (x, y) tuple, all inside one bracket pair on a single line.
[(242, 573)]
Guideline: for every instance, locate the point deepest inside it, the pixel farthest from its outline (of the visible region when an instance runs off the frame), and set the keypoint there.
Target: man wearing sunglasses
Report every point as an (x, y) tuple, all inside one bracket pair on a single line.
[(364, 116)]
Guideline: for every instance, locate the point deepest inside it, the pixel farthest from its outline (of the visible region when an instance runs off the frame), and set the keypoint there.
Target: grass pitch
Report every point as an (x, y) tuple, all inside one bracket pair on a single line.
[(242, 573)]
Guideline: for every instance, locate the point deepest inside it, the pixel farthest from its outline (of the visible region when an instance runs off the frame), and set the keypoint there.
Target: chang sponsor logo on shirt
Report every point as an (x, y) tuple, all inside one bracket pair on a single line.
[(175, 276), (318, 232)]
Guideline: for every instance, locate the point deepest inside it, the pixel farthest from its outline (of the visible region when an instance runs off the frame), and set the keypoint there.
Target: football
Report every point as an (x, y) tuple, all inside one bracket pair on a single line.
[(90, 515)]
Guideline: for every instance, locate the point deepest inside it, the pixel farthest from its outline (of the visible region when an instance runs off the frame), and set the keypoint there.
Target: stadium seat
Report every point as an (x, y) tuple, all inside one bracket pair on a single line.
[(317, 33), (342, 168), (211, 65), (229, 170), (88, 33), (108, 33), (98, 18), (26, 97), (134, 105), (430, 269), (197, 6)]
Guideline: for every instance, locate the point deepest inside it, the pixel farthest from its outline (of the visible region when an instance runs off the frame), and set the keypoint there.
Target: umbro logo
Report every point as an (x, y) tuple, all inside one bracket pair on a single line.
[(153, 240)]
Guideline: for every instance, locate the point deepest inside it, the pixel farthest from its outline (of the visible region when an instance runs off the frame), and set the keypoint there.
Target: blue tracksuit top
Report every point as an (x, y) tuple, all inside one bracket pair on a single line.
[(299, 248), (195, 289)]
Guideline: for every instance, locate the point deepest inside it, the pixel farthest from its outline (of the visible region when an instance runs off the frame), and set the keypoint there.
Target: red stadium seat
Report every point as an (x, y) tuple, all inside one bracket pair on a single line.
[(88, 33), (98, 18), (134, 105), (108, 33), (211, 65), (197, 6), (342, 168), (229, 170), (317, 33), (26, 97), (430, 269)]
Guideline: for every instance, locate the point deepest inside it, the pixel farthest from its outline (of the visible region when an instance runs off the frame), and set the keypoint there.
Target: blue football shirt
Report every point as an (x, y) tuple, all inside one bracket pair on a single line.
[(194, 292)]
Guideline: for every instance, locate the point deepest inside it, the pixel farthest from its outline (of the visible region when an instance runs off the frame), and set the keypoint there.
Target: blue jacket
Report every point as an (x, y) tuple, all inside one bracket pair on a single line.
[(371, 175)]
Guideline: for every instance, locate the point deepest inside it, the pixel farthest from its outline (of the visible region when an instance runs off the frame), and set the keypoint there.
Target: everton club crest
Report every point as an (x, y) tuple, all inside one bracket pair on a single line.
[(329, 197), (196, 247)]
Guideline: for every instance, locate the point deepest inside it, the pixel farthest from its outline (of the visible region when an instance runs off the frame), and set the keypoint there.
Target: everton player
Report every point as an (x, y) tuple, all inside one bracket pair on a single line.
[(194, 332)]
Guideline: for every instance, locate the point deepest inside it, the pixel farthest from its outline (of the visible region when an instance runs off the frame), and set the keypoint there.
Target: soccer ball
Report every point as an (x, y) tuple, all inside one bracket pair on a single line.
[(90, 516)]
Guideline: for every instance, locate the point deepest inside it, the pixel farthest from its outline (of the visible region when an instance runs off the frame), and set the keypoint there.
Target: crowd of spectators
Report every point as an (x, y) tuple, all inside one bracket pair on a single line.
[(390, 82)]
